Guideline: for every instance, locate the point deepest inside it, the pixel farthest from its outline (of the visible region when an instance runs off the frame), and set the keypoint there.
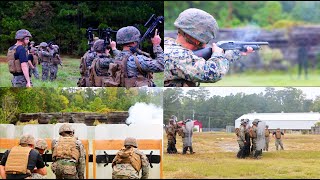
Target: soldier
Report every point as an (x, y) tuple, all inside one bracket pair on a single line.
[(267, 137), (171, 131), (55, 61), (253, 135), (18, 61), (277, 136), (138, 68), (128, 162), (30, 46), (68, 155), (187, 129), (41, 146), (45, 58), (99, 69), (241, 139), (33, 63), (20, 161), (184, 69)]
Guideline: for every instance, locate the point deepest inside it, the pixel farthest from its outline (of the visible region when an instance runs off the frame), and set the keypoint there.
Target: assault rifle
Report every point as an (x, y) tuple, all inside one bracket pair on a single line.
[(152, 23), (229, 45), (106, 36), (89, 35)]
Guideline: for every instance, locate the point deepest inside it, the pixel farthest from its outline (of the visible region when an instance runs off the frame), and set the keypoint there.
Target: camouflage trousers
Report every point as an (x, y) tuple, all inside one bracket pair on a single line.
[(171, 149), (19, 81), (53, 71), (241, 153), (37, 176), (266, 147), (64, 169), (45, 70), (34, 71), (254, 145), (279, 142)]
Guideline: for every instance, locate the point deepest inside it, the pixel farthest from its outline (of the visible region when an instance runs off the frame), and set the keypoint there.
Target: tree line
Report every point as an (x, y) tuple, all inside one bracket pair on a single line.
[(65, 22), (223, 111), (102, 100), (265, 14)]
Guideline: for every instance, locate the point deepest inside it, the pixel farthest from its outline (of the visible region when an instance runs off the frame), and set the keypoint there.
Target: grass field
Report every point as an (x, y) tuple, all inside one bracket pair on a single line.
[(68, 75), (215, 157), (274, 78)]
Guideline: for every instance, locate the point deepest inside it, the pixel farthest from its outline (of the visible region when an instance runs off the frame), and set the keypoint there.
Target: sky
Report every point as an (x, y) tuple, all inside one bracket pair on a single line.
[(310, 92)]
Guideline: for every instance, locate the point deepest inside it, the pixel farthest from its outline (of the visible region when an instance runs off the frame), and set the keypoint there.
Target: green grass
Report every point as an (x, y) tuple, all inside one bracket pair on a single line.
[(213, 159), (67, 76), (273, 78)]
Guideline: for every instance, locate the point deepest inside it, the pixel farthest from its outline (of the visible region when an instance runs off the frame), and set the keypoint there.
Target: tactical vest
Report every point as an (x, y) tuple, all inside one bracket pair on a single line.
[(252, 133), (128, 156), (56, 60), (35, 60), (44, 58), (267, 133), (101, 81), (66, 149), (278, 135), (14, 64), (17, 161)]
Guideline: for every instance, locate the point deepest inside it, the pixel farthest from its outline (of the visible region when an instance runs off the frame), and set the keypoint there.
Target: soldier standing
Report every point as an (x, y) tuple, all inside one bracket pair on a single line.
[(138, 68), (277, 136), (129, 161), (45, 58), (18, 61), (41, 146), (253, 135), (267, 136), (33, 63), (187, 129), (242, 139), (68, 155), (55, 61), (184, 69), (20, 161), (171, 131)]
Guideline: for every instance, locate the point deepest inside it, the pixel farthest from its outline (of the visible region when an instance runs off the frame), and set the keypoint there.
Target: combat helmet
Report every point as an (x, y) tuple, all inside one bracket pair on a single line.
[(99, 45), (198, 24), (127, 35), (41, 144), (130, 141), (43, 44), (27, 139), (32, 42), (22, 33), (65, 128), (256, 121)]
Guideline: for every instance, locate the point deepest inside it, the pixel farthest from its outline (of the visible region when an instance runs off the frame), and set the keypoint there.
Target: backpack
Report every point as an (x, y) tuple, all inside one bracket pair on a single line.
[(14, 64)]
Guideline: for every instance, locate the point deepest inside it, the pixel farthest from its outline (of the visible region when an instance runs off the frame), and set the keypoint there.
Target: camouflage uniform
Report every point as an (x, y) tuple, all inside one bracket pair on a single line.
[(45, 54), (53, 66), (126, 170), (182, 67), (241, 141), (19, 81), (171, 131), (278, 135), (267, 137), (254, 139), (68, 168), (148, 65)]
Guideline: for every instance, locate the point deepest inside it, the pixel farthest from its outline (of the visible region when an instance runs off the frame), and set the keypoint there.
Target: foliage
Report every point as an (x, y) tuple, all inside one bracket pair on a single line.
[(97, 122), (29, 122), (101, 100), (222, 111), (65, 22)]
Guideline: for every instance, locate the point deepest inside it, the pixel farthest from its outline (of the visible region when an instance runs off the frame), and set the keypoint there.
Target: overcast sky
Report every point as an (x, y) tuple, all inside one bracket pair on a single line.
[(310, 92)]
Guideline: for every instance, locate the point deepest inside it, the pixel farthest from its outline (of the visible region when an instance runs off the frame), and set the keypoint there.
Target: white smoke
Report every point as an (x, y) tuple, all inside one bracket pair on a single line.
[(142, 113)]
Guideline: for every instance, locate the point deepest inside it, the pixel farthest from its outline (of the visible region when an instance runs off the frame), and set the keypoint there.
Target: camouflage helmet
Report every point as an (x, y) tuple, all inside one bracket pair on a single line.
[(32, 50), (127, 35), (99, 45), (95, 39), (32, 42), (267, 126), (130, 141), (41, 144), (22, 33), (65, 128), (43, 44), (198, 24), (255, 121), (27, 139)]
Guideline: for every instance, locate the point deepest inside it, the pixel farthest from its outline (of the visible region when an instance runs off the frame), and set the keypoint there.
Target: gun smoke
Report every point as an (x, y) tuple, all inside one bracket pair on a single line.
[(142, 113)]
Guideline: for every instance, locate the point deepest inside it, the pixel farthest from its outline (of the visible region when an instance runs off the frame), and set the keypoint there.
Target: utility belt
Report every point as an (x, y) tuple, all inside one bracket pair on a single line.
[(18, 74), (67, 162), (180, 83), (19, 173)]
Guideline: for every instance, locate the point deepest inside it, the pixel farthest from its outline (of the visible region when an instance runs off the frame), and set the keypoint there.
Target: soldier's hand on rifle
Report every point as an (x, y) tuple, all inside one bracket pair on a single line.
[(113, 45), (249, 50), (156, 40), (216, 49), (107, 51)]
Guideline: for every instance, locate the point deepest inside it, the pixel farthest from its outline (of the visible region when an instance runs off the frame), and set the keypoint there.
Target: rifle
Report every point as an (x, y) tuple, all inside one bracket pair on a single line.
[(89, 35), (153, 23), (106, 35), (229, 45)]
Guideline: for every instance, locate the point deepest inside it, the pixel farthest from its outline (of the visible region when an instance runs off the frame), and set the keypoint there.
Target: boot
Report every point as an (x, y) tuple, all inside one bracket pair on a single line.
[(191, 150), (184, 151)]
